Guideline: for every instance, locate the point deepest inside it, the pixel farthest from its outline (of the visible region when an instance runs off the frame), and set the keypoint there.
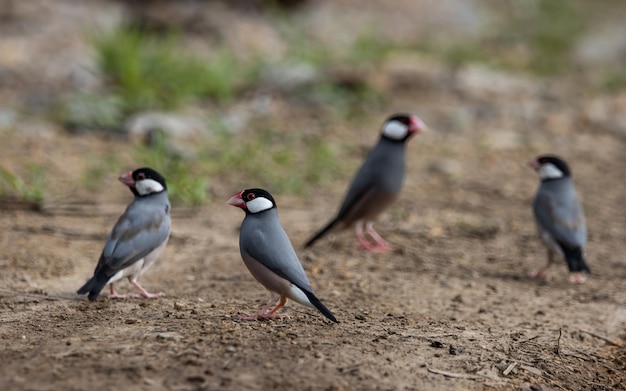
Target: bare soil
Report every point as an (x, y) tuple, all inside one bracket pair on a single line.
[(450, 308)]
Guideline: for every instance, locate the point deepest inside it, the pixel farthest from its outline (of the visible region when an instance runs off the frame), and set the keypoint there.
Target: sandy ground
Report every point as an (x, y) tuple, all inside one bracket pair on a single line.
[(450, 308)]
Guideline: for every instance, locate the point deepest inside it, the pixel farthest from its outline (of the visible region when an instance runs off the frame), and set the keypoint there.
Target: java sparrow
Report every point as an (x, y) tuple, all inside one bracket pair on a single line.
[(377, 183), (559, 216), (270, 257), (137, 239)]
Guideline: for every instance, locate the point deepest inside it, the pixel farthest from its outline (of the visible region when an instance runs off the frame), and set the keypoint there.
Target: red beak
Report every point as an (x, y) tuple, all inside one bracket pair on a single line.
[(416, 125), (237, 201), (127, 179)]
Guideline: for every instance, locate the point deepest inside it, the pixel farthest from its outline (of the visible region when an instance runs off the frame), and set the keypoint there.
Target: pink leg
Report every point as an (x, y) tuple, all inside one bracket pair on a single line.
[(264, 312), (358, 229), (145, 293), (114, 295), (382, 244), (541, 273), (577, 278)]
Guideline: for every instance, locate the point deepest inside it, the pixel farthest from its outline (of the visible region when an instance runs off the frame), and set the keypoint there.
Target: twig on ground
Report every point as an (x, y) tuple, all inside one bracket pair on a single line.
[(452, 374), (557, 348), (510, 368), (605, 339)]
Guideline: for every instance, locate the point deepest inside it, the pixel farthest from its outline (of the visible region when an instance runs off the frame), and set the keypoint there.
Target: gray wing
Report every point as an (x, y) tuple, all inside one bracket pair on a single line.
[(382, 171), (562, 217), (267, 242), (141, 229)]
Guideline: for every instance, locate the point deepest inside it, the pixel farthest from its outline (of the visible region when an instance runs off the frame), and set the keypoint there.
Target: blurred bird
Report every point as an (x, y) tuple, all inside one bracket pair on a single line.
[(137, 239), (559, 217), (377, 184), (270, 257)]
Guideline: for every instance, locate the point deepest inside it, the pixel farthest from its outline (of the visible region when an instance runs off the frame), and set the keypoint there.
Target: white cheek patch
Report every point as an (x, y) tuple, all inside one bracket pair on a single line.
[(549, 171), (147, 186), (259, 204), (395, 130)]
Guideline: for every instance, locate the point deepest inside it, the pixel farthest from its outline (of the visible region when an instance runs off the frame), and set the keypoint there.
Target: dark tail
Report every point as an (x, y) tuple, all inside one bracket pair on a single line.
[(319, 305), (94, 286), (575, 260), (321, 233)]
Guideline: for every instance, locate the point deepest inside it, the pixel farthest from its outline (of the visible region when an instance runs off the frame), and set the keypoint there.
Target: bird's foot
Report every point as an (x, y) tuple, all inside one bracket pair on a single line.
[(538, 274), (144, 293), (380, 244), (577, 278), (147, 295), (115, 295), (375, 248)]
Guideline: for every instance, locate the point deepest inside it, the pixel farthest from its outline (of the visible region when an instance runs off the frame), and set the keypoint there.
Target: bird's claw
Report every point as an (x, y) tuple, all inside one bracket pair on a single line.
[(577, 278)]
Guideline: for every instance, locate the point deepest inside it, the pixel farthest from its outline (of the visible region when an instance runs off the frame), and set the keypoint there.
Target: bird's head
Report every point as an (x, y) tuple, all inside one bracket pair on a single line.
[(253, 200), (550, 167), (144, 181), (400, 127)]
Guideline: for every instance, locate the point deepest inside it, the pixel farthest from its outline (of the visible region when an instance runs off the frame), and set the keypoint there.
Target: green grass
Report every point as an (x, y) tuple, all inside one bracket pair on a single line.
[(153, 72), (615, 81), (30, 188), (535, 37), (282, 161), (187, 184), (93, 178)]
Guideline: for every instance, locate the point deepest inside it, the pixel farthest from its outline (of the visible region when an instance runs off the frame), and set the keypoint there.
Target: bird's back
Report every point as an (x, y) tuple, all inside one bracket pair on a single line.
[(558, 211)]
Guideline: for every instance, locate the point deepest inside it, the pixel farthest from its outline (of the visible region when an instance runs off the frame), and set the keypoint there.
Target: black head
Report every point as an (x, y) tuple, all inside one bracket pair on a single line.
[(550, 167), (400, 127), (144, 181), (253, 200)]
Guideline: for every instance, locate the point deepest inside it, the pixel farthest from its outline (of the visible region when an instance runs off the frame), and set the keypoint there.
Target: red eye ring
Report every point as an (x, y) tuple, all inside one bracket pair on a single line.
[(250, 196)]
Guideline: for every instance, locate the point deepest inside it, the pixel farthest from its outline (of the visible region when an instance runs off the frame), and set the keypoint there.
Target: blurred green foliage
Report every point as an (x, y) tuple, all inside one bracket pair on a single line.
[(284, 161), (29, 187), (530, 36), (152, 71), (187, 183)]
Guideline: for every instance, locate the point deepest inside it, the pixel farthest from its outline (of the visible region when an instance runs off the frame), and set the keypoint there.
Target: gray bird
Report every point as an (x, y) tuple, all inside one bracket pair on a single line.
[(137, 239), (377, 184), (559, 217), (270, 257)]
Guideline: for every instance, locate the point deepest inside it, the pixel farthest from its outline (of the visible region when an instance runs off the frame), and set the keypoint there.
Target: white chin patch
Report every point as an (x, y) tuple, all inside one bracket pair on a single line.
[(395, 130), (549, 171), (259, 204), (147, 186)]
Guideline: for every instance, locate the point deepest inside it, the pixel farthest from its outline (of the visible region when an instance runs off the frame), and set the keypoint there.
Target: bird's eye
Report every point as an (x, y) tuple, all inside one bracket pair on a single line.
[(250, 196), (141, 176)]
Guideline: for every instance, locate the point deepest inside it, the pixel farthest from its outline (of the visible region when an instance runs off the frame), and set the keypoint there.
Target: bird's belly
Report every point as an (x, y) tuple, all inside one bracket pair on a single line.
[(152, 257), (132, 270), (549, 241), (370, 206), (138, 268), (270, 280)]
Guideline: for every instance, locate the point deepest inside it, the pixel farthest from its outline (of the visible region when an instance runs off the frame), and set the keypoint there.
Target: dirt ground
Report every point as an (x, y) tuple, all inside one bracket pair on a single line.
[(451, 308)]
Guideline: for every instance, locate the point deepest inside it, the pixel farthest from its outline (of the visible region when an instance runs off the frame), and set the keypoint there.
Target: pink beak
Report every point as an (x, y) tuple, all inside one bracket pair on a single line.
[(237, 201), (417, 125), (127, 179), (534, 164)]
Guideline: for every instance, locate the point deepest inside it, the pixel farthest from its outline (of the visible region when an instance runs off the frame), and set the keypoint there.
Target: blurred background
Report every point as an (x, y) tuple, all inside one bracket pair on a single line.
[(289, 95), (240, 91)]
